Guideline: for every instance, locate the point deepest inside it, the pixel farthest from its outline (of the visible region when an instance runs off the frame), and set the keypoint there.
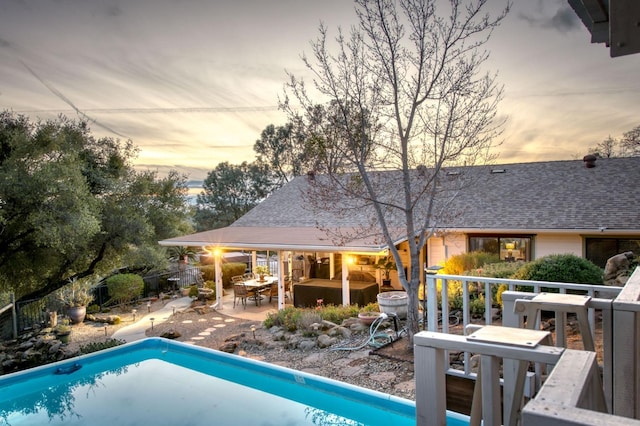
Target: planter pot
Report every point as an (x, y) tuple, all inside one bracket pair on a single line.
[(63, 337), (394, 302), (386, 286), (368, 317), (184, 291), (77, 313)]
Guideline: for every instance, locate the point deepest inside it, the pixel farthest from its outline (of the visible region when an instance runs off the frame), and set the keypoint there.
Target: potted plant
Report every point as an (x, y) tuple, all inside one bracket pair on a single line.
[(387, 265), (182, 255), (63, 331), (261, 271), (76, 296)]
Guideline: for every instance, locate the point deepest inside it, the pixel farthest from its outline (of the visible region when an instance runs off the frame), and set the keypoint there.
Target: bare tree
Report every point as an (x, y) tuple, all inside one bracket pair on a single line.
[(412, 101), (606, 148), (630, 143)]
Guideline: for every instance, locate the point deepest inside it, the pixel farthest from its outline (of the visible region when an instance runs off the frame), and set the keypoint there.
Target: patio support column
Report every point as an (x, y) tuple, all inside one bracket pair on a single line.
[(281, 291), (346, 300), (332, 265), (217, 262), (254, 259)]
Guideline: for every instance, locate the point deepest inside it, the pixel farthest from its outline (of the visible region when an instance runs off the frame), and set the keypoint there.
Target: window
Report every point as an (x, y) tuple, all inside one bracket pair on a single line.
[(599, 250), (509, 247)]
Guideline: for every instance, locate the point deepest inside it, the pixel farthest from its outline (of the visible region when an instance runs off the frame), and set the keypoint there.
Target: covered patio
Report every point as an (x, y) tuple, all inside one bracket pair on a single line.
[(287, 243)]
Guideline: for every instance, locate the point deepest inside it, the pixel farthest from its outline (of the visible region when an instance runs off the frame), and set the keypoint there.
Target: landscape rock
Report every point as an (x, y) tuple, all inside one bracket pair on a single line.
[(324, 341)]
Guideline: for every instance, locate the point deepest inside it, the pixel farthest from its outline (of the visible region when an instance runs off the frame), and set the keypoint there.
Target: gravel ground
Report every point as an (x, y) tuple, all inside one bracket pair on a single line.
[(215, 330)]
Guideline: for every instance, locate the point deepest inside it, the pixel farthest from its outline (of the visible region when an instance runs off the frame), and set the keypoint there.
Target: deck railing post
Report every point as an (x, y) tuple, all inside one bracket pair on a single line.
[(626, 347)]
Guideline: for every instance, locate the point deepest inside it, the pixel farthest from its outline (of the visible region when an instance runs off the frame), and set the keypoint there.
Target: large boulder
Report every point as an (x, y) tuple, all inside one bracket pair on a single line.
[(618, 269)]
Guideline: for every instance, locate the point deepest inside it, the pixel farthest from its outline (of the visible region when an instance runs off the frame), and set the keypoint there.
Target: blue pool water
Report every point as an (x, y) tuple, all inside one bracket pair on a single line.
[(160, 382)]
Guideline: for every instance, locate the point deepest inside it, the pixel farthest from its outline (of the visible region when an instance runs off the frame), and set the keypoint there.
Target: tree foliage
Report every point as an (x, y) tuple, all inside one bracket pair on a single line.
[(405, 90), (282, 150), (71, 206), (230, 191)]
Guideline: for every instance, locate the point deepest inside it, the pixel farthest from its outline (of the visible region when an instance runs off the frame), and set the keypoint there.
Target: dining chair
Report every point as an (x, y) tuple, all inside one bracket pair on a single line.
[(249, 276), (237, 279), (240, 291), (273, 291)]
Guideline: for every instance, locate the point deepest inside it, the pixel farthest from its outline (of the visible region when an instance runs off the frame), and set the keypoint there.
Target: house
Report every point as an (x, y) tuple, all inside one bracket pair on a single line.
[(520, 211)]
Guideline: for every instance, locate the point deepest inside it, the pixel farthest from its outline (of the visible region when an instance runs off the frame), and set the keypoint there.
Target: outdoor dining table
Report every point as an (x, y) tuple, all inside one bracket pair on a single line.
[(257, 286)]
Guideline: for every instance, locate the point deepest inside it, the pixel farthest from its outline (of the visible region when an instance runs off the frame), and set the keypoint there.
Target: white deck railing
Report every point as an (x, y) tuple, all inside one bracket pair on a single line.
[(620, 310)]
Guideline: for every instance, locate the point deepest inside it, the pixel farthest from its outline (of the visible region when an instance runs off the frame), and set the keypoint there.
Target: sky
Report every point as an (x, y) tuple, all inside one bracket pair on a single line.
[(194, 82)]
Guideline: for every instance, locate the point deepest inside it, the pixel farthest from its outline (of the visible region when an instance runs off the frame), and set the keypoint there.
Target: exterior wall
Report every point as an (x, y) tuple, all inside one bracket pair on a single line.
[(443, 247), (546, 244)]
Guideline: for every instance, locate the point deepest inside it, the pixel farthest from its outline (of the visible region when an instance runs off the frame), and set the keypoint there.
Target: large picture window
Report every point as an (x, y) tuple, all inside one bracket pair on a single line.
[(599, 250), (510, 248)]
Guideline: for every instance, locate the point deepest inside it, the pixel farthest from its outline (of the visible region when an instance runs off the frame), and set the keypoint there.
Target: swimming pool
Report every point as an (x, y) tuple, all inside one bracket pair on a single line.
[(161, 382)]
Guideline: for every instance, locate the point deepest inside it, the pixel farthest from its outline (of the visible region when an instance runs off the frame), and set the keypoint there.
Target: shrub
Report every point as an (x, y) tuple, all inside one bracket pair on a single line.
[(458, 264), (211, 285), (93, 309), (123, 288), (193, 291), (99, 346), (477, 307), (497, 270), (287, 318), (292, 318), (567, 268), (307, 319), (231, 270), (337, 314), (208, 272)]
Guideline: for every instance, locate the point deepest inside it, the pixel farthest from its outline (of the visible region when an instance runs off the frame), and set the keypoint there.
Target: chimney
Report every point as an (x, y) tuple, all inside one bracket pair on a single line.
[(589, 161)]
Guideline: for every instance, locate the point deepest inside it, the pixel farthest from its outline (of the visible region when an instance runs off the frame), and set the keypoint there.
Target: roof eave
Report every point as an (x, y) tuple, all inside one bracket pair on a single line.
[(581, 231)]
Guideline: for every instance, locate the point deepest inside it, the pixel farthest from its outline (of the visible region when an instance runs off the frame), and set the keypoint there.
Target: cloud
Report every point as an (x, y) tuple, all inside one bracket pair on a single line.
[(563, 20)]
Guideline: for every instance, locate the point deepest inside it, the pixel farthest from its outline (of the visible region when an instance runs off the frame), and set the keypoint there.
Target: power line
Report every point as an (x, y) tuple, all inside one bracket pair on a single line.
[(187, 110)]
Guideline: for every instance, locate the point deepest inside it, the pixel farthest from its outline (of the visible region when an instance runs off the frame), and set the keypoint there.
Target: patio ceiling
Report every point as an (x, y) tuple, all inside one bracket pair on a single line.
[(276, 238)]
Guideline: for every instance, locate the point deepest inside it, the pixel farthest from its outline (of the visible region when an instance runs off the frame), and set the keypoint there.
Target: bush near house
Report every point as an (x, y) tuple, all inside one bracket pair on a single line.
[(463, 264), (566, 268), (460, 263), (124, 288), (228, 270), (497, 270), (231, 270), (208, 272)]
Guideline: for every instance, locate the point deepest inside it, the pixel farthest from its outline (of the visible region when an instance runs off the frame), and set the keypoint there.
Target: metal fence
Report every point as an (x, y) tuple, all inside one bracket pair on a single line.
[(30, 313), (34, 312)]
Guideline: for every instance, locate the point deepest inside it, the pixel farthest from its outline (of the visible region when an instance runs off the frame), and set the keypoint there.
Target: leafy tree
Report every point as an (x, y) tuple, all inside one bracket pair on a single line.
[(406, 91), (230, 191), (72, 207), (282, 150)]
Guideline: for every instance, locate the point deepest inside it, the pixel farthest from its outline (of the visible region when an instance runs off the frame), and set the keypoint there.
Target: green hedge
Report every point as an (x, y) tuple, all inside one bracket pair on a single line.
[(228, 270), (565, 268)]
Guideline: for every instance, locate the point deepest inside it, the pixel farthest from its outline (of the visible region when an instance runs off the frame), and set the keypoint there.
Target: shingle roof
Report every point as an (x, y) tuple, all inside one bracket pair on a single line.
[(554, 195)]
